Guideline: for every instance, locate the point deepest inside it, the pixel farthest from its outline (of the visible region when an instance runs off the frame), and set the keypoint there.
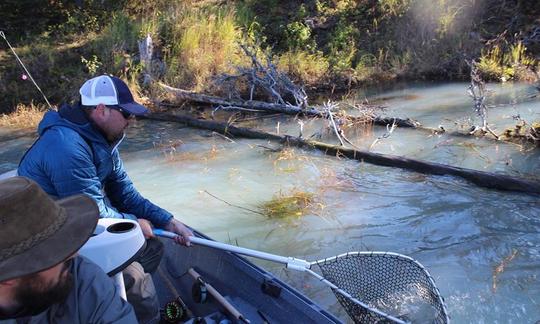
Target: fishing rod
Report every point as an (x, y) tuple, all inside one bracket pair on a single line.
[(26, 70)]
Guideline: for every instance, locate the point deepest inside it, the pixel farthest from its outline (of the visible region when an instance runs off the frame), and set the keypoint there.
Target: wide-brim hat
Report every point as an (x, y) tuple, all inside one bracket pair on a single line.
[(110, 91), (36, 232)]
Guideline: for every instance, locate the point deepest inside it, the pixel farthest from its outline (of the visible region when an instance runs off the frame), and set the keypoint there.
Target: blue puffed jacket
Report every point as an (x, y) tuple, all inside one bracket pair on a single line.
[(71, 156)]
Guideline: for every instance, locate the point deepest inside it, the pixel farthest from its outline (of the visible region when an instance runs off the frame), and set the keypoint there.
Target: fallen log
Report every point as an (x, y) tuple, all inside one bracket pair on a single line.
[(181, 94), (480, 178), (231, 104)]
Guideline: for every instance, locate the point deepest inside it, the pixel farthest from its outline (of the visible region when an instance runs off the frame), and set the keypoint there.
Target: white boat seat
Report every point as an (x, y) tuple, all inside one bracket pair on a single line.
[(115, 244)]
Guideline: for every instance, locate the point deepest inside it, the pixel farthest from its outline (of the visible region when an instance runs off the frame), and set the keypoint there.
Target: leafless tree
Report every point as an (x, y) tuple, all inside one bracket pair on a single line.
[(264, 78), (477, 91)]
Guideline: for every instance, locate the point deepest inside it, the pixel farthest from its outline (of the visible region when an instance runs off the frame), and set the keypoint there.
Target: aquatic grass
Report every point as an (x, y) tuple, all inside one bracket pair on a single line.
[(169, 149), (329, 180), (24, 116), (473, 147), (296, 203), (499, 269), (212, 153)]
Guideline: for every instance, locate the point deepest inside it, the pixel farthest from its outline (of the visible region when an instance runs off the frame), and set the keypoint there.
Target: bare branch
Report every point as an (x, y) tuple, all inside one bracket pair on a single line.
[(477, 92), (389, 131), (232, 205), (263, 78), (328, 106)]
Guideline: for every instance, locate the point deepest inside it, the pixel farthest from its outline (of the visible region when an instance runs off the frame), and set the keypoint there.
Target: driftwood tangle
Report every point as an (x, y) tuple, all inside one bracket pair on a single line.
[(183, 95), (480, 178)]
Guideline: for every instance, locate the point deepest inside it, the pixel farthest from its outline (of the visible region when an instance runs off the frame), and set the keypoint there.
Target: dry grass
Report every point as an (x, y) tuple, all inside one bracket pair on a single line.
[(204, 44), (499, 269), (288, 161), (171, 152), (24, 116)]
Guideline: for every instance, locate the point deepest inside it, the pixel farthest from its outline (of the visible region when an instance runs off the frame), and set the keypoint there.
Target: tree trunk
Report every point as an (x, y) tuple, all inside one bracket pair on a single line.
[(480, 178)]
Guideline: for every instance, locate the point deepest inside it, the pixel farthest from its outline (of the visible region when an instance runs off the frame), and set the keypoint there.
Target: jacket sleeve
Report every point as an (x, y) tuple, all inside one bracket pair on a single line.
[(123, 195), (71, 170), (98, 298)]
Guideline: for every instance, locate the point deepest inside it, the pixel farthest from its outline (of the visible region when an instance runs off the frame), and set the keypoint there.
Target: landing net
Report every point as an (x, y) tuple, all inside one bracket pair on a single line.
[(392, 283)]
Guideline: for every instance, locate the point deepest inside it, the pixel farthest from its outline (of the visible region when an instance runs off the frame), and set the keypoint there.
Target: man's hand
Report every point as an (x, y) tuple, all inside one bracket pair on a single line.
[(183, 232), (146, 228)]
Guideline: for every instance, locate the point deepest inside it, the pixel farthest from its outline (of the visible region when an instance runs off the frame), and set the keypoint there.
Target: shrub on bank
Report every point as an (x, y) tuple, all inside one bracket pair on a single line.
[(497, 64), (311, 69), (314, 41)]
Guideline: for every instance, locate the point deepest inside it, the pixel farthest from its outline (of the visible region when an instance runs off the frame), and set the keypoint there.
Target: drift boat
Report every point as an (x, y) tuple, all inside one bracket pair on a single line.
[(210, 283), (251, 294)]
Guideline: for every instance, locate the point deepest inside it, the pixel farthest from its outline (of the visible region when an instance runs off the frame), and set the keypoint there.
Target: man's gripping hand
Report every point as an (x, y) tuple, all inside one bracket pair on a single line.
[(183, 232), (146, 228)]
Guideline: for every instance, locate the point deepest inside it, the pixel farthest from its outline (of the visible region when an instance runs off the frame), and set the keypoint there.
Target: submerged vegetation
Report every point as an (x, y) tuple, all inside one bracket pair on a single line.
[(296, 203), (288, 160), (320, 43)]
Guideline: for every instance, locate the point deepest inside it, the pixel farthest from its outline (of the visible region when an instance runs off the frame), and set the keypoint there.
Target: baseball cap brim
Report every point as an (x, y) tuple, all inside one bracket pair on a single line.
[(82, 217), (134, 108)]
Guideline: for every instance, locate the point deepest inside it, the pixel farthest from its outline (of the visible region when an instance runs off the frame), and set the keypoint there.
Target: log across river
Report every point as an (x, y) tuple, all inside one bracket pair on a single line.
[(480, 178)]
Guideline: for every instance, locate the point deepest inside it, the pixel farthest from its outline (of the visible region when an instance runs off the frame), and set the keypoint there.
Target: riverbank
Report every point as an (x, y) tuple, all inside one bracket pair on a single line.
[(322, 45)]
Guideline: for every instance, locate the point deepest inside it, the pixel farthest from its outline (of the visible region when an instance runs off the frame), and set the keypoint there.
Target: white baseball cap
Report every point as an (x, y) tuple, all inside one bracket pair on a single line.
[(112, 92)]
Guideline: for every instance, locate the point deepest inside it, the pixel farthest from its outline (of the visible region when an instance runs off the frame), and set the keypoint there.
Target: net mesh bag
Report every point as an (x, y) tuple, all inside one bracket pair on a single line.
[(391, 283)]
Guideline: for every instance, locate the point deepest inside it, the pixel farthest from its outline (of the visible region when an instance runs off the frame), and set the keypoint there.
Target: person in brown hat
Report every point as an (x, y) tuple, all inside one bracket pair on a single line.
[(42, 280)]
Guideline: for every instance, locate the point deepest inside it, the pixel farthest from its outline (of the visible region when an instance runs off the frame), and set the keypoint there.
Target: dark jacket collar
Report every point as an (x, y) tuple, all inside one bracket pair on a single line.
[(74, 114)]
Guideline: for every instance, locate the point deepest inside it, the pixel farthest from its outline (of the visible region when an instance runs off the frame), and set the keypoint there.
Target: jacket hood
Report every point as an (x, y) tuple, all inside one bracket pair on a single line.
[(71, 117)]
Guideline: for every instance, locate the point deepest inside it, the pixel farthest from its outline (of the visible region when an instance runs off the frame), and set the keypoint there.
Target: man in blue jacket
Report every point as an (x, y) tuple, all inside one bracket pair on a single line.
[(77, 152)]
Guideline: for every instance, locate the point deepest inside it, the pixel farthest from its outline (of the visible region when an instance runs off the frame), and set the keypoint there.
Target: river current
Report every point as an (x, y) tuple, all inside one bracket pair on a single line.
[(481, 246)]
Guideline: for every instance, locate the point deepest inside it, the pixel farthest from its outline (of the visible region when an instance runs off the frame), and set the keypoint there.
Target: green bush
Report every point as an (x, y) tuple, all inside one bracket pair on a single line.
[(497, 64), (298, 36), (342, 46)]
